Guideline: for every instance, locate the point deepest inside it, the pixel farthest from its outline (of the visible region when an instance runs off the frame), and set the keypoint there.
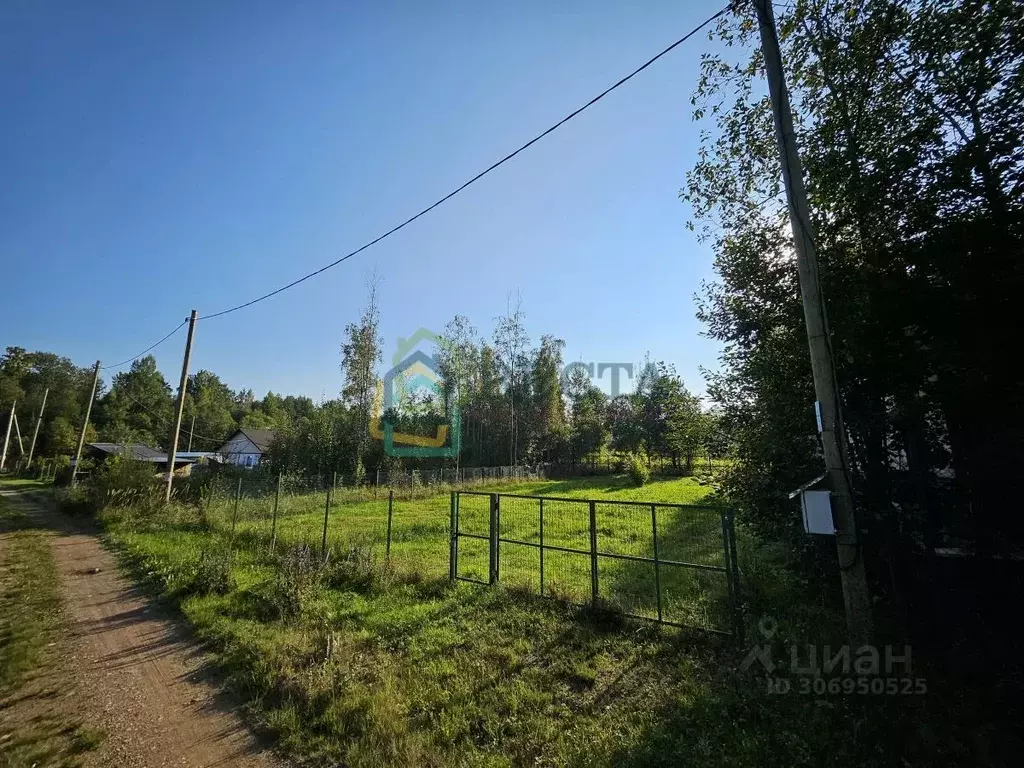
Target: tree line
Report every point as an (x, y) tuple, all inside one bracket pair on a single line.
[(908, 116), (518, 404)]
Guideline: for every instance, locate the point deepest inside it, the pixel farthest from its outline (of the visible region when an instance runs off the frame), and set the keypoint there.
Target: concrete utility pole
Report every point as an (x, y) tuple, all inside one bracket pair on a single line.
[(85, 423), (17, 431), (178, 411), (7, 437), (833, 436), (35, 432)]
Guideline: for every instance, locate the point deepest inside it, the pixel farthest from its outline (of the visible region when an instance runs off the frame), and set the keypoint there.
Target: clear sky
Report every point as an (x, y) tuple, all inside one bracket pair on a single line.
[(161, 156)]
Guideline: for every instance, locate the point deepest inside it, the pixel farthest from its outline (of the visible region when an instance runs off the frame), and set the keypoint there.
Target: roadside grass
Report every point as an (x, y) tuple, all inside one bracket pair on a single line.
[(365, 662), (29, 622)]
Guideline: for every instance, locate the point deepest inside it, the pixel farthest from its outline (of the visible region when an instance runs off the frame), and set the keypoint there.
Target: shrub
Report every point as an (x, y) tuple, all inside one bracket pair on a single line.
[(213, 573), (355, 569), (638, 471), (75, 501), (295, 583), (124, 482)]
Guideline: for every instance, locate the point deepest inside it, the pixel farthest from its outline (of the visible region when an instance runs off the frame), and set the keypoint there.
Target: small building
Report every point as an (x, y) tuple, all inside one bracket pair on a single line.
[(133, 451), (246, 447), (100, 452)]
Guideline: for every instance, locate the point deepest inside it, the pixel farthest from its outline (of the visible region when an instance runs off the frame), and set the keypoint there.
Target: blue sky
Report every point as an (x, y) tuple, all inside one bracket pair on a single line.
[(163, 156)]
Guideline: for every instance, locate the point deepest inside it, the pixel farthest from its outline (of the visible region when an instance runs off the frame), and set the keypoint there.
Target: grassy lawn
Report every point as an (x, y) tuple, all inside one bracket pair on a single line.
[(32, 732), (364, 664)]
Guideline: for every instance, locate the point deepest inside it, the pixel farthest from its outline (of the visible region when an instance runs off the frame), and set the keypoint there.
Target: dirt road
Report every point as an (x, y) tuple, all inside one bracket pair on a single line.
[(130, 669)]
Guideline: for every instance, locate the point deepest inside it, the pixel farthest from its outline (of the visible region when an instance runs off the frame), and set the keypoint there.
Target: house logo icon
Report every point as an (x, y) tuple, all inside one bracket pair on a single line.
[(414, 370)]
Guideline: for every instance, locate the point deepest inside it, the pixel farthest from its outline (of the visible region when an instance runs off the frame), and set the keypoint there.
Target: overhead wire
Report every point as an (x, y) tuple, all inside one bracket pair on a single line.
[(169, 424), (147, 349), (480, 175), (430, 207)]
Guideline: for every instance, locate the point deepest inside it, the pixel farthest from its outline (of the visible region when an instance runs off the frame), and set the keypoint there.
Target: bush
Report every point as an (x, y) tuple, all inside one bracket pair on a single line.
[(638, 471), (356, 570), (76, 501), (213, 573), (296, 581), (125, 482)]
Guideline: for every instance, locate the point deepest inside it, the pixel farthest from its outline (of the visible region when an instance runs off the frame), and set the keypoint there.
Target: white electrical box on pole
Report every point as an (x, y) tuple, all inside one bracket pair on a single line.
[(856, 595)]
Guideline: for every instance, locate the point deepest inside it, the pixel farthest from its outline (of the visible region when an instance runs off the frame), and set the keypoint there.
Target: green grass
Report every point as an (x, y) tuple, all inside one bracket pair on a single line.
[(395, 665), (420, 538), (29, 622), (29, 598)]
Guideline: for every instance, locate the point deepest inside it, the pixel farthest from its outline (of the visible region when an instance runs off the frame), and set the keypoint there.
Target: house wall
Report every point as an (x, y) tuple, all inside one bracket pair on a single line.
[(242, 451)]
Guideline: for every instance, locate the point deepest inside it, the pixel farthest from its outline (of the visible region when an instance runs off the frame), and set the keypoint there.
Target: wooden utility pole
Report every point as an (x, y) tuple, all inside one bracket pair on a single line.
[(85, 423), (35, 432), (833, 436), (17, 431), (173, 454), (7, 437)]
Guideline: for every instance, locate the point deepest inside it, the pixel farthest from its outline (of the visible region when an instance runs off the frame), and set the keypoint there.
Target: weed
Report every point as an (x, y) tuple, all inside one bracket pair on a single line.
[(639, 474)]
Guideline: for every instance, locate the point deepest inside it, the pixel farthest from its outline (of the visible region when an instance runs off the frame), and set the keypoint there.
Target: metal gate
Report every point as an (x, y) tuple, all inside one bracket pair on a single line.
[(673, 564)]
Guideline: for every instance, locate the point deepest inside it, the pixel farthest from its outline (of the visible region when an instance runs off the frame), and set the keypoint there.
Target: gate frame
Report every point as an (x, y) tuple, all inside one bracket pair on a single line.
[(495, 539)]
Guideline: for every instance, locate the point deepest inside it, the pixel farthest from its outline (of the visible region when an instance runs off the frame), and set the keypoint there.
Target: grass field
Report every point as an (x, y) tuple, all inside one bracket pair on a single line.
[(420, 538), (30, 602), (363, 665)]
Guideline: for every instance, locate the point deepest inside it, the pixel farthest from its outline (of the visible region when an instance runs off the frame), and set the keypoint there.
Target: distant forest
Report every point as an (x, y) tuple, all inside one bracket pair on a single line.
[(517, 406)]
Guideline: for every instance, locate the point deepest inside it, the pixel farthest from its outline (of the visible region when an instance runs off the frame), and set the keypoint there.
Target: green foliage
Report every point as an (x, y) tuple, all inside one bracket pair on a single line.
[(75, 502), (356, 569), (26, 377), (212, 575), (639, 474), (123, 481), (138, 407), (908, 125), (427, 673), (295, 583)]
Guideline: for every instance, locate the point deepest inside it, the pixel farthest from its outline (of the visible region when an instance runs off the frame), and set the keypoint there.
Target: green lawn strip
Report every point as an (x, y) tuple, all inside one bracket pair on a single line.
[(29, 622), (396, 666), (412, 670)]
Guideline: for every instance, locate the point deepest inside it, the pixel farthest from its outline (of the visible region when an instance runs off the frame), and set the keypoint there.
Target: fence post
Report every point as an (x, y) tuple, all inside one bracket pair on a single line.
[(657, 564), (453, 544), (494, 538), (391, 505), (327, 512), (593, 553), (542, 547), (234, 515), (734, 569), (730, 576), (273, 519)]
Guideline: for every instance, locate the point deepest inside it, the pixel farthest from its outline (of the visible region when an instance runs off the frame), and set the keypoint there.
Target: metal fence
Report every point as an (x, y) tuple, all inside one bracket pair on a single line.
[(405, 526), (670, 563)]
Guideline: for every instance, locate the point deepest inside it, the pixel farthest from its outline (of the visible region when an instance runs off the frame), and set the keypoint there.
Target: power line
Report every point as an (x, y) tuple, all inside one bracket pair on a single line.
[(480, 175), (167, 423), (147, 349)]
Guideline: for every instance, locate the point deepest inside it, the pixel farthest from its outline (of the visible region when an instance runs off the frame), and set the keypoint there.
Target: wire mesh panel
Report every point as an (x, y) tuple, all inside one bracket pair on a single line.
[(567, 566), (627, 574), (473, 528), (518, 542), (665, 562), (695, 592)]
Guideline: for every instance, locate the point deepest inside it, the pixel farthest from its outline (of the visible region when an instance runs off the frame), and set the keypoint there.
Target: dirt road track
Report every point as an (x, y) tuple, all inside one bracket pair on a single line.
[(140, 676)]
